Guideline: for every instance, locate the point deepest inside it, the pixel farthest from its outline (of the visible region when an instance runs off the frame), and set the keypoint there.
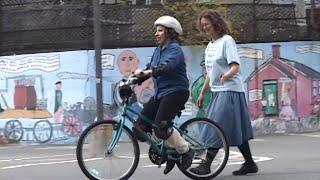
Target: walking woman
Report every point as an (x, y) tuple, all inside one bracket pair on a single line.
[(228, 106)]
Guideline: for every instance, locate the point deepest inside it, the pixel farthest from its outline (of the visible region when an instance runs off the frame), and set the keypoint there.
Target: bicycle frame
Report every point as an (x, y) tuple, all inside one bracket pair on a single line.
[(124, 116), (162, 150)]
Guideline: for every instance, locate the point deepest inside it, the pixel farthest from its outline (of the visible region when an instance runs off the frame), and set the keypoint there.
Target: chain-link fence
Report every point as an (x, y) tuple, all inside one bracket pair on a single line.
[(268, 22), (56, 25)]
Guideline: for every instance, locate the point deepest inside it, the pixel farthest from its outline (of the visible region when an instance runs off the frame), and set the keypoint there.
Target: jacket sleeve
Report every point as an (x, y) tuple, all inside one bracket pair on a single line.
[(148, 66), (174, 57)]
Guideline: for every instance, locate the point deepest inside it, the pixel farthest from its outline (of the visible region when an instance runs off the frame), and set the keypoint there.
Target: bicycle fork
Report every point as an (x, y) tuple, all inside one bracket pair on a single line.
[(116, 138)]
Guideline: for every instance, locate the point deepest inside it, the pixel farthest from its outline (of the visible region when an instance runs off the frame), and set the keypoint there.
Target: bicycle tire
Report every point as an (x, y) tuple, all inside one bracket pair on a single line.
[(224, 149), (125, 130)]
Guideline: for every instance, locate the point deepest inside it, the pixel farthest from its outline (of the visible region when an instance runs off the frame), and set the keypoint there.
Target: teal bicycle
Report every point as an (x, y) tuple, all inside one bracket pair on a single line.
[(108, 149)]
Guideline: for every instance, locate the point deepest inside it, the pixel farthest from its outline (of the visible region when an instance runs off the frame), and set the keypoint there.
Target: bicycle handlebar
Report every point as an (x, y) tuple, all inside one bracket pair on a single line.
[(133, 80)]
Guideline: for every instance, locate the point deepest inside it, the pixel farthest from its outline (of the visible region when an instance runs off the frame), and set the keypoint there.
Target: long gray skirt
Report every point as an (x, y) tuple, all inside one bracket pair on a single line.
[(229, 109)]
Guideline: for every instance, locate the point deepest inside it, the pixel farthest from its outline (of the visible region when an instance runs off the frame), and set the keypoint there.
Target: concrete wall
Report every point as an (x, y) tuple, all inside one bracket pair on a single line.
[(75, 69)]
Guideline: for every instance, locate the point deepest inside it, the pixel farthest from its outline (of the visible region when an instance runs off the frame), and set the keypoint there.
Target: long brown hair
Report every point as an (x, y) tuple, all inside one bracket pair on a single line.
[(219, 24)]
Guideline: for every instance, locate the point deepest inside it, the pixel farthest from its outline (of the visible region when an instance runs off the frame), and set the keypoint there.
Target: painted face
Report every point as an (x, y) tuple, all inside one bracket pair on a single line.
[(207, 27), (161, 34), (127, 62), (58, 86)]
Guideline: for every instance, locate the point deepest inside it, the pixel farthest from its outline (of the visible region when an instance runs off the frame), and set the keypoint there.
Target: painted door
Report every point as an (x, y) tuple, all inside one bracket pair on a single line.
[(270, 94)]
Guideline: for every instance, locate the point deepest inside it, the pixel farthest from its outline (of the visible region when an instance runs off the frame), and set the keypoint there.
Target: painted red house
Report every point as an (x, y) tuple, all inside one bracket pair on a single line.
[(283, 88)]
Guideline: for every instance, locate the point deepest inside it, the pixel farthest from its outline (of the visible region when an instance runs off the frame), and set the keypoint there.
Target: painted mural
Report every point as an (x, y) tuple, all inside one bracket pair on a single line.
[(50, 97), (38, 98)]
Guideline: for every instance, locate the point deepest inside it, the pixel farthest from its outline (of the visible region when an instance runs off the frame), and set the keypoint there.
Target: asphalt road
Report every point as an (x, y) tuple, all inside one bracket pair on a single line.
[(279, 157)]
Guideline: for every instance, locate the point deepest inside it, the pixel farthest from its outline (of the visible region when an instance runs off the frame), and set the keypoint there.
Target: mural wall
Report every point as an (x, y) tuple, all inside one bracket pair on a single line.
[(50, 97)]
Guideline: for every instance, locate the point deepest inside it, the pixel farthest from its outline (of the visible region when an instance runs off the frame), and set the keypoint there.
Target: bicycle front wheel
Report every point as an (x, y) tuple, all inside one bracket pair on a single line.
[(204, 134), (98, 160)]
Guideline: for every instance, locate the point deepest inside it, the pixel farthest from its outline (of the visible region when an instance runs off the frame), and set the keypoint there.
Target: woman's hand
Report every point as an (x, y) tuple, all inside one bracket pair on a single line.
[(200, 100), (222, 79), (233, 70), (138, 73)]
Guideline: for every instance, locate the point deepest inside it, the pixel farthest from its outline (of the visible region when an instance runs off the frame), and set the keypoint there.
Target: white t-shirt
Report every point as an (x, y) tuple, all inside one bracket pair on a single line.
[(219, 54)]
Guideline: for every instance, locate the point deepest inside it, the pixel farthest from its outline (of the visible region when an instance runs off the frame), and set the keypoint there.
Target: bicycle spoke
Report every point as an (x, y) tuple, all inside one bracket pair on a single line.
[(93, 156), (203, 134)]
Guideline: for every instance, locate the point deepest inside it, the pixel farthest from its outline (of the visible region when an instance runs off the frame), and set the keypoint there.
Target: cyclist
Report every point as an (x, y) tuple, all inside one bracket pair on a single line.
[(168, 70)]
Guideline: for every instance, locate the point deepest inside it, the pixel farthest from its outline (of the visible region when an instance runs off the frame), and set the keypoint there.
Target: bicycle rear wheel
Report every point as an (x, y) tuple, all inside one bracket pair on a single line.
[(94, 159), (203, 133)]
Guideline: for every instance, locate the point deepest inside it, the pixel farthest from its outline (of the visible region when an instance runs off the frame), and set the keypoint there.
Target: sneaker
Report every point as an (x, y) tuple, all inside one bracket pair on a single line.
[(187, 158), (246, 168), (169, 166), (203, 168)]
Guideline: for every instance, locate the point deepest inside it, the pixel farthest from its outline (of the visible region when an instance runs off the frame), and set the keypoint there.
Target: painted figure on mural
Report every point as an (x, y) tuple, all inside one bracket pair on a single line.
[(145, 91), (128, 62), (286, 109), (270, 99), (196, 89), (58, 109), (316, 108)]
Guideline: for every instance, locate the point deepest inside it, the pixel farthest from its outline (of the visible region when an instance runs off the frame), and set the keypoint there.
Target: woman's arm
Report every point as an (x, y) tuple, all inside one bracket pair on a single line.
[(233, 70), (205, 86)]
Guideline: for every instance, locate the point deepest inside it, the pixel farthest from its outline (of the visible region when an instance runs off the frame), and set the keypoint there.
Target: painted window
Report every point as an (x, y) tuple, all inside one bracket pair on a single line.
[(314, 88)]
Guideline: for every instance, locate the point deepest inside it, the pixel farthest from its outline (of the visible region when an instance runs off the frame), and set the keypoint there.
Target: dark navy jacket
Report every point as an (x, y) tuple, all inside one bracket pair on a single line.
[(172, 76)]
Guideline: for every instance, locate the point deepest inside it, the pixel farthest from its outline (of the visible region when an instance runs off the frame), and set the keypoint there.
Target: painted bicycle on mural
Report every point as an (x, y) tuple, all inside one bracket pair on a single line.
[(75, 118), (25, 116), (27, 110)]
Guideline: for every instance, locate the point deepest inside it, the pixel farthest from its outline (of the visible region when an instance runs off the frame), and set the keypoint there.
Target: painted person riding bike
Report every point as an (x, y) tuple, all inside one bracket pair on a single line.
[(168, 70)]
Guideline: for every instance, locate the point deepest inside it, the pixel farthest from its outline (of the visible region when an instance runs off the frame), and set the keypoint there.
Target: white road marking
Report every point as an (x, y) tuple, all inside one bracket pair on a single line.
[(57, 147), (257, 140), (233, 159), (306, 135), (36, 164), (37, 157)]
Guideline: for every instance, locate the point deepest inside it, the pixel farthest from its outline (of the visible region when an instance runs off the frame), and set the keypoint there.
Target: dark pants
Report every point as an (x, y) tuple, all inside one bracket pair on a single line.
[(162, 112)]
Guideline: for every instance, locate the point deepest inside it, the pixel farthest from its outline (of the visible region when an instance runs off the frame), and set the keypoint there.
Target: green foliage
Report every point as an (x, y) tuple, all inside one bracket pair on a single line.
[(187, 14)]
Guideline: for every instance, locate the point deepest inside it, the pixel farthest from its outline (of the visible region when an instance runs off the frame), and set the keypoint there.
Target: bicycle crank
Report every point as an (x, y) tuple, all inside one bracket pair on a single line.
[(155, 158)]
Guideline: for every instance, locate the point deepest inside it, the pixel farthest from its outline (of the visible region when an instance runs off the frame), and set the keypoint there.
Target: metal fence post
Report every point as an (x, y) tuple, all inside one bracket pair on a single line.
[(1, 27), (97, 47)]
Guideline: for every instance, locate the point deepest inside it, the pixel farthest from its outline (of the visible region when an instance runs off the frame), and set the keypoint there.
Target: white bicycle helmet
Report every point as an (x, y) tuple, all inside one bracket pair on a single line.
[(169, 22)]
